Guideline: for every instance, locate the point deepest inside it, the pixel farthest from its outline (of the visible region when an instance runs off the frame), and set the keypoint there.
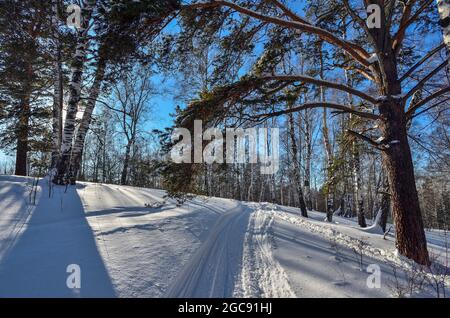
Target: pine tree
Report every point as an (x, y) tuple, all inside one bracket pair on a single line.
[(24, 73)]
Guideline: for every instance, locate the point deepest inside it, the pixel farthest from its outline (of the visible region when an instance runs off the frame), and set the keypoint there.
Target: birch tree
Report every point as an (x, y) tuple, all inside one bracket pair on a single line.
[(444, 13), (294, 153), (117, 41), (78, 61)]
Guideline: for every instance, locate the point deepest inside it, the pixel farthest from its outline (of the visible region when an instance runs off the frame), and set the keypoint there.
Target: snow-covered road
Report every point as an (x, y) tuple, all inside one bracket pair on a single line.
[(128, 242)]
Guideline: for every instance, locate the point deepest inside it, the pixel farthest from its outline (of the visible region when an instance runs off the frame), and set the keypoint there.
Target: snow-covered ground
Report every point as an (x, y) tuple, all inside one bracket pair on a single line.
[(130, 242)]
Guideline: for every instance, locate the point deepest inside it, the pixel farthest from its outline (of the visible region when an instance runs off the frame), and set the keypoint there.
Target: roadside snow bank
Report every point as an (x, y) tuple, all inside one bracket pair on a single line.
[(331, 232)]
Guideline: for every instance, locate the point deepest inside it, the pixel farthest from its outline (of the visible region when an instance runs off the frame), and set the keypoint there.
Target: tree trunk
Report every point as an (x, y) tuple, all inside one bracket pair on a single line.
[(123, 178), (22, 143), (22, 132), (385, 205), (62, 166), (294, 153), (444, 13), (326, 143), (75, 160), (410, 235), (357, 185), (58, 88), (308, 141), (329, 205)]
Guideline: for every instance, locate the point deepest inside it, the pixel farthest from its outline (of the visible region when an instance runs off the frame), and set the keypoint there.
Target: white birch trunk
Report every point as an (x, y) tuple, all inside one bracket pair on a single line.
[(444, 13), (359, 202), (80, 137), (308, 141), (295, 160), (75, 94)]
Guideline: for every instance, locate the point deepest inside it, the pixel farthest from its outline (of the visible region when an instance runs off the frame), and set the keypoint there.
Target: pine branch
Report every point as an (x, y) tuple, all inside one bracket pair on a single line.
[(311, 105), (311, 80), (365, 138), (405, 24), (355, 51)]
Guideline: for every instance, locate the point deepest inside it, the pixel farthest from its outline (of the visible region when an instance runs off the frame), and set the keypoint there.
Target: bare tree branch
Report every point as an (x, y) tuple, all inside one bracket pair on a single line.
[(410, 112), (422, 60), (404, 24), (430, 107), (289, 13), (425, 79), (398, 39)]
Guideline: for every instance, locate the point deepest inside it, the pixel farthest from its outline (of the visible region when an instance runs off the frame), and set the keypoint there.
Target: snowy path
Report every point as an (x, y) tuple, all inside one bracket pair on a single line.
[(261, 274), (208, 247), (213, 270)]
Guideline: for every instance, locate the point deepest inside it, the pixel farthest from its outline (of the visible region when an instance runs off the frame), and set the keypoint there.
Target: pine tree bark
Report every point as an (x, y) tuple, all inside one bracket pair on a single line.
[(23, 126), (22, 139), (410, 235)]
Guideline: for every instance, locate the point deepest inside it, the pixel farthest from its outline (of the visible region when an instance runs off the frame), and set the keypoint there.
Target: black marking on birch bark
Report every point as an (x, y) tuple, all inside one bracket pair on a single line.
[(445, 22)]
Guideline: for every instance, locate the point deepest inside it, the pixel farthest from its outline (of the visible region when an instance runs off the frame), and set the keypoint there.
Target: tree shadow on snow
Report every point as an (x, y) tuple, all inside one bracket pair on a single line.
[(56, 235)]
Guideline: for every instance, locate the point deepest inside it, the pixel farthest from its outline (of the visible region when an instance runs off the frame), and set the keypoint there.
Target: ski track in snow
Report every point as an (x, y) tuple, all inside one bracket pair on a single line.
[(213, 269), (262, 275), (235, 260)]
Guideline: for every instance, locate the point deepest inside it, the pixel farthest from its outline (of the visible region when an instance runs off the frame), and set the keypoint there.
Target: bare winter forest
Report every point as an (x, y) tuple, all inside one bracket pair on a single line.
[(328, 117)]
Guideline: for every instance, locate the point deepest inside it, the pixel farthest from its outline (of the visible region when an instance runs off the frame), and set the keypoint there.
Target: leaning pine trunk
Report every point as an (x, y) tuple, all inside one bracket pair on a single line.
[(77, 152), (62, 166)]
